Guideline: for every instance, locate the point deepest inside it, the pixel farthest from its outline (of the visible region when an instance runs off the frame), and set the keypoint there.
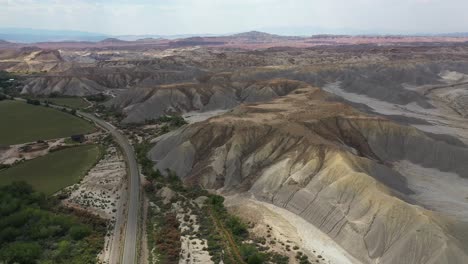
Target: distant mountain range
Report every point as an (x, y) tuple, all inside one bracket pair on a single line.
[(27, 35), (460, 34)]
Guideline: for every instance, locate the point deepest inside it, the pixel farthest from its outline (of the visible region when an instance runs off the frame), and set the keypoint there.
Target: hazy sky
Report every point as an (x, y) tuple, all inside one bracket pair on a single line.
[(222, 16)]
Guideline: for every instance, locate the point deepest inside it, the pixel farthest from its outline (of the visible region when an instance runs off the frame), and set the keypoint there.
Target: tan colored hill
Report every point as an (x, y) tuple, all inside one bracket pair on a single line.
[(142, 104), (71, 86), (32, 60), (226, 90), (382, 68), (331, 165)]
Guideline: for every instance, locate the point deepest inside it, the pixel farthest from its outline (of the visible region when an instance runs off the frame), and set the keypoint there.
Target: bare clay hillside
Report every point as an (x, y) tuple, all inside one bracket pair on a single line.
[(329, 164)]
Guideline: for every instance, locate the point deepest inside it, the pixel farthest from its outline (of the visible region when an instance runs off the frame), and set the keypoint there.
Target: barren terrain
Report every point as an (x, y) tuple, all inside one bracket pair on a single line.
[(348, 149), (101, 192)]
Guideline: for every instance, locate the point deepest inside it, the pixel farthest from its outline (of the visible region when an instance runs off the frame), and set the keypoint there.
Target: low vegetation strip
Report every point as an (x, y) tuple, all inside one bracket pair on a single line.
[(208, 231), (23, 123), (227, 239), (54, 171)]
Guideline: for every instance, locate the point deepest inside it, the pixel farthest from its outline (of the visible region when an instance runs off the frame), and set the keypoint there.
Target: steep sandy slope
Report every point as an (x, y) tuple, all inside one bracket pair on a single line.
[(140, 104), (85, 81), (382, 81), (385, 82), (33, 60), (89, 72), (332, 166), (71, 86)]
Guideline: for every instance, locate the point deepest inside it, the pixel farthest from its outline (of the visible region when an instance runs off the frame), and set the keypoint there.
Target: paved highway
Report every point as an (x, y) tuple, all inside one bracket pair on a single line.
[(131, 229)]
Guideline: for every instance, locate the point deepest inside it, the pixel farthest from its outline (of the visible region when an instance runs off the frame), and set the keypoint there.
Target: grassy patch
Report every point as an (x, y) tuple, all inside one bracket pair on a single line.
[(54, 171), (71, 102), (23, 122)]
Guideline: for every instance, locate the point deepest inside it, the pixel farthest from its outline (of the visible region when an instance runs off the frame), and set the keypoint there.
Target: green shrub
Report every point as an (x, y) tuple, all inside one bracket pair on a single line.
[(20, 252), (237, 227), (216, 202), (79, 232), (251, 255), (34, 229)]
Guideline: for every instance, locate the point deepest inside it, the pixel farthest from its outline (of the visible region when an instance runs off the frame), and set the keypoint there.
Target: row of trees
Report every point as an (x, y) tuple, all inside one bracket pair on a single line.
[(33, 101), (8, 85), (46, 104)]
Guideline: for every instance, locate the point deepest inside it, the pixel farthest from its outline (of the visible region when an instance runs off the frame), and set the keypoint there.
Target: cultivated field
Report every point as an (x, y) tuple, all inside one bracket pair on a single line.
[(23, 123), (54, 171)]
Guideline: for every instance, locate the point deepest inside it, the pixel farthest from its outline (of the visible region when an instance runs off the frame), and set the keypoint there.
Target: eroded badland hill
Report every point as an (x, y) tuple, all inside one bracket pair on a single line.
[(353, 150)]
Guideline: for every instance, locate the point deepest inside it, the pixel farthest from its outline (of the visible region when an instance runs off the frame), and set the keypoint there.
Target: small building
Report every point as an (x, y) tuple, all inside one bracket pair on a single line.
[(78, 138)]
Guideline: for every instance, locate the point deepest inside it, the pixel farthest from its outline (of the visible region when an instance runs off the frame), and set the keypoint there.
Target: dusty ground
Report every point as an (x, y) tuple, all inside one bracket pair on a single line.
[(287, 230), (100, 192), (144, 252), (440, 191), (434, 189), (15, 153), (442, 118), (194, 117), (192, 248)]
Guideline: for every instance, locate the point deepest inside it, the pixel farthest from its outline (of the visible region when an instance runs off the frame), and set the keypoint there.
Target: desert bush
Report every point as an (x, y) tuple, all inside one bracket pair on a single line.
[(251, 255)]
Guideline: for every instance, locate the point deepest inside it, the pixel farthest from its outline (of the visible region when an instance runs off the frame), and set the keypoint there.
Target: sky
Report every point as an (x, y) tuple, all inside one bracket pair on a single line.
[(171, 17)]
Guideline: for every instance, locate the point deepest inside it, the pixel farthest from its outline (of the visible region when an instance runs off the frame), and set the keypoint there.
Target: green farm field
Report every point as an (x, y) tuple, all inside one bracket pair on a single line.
[(54, 171), (23, 123)]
